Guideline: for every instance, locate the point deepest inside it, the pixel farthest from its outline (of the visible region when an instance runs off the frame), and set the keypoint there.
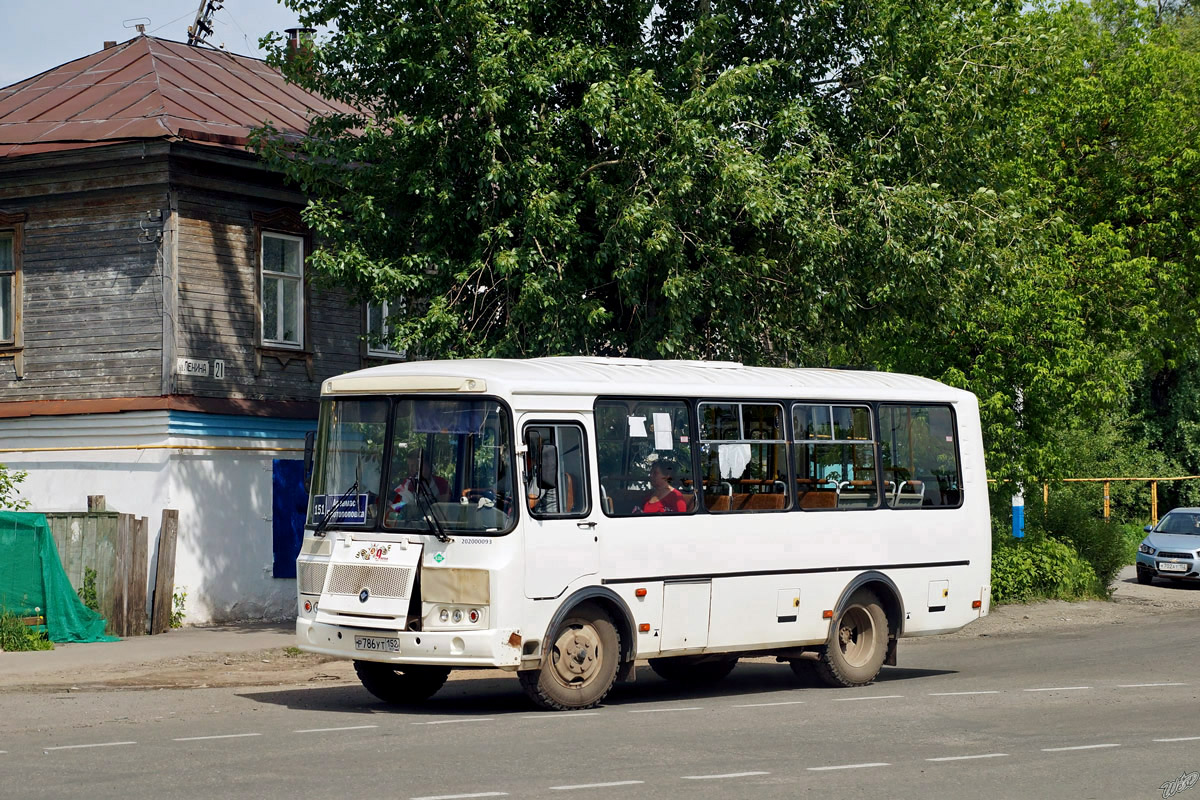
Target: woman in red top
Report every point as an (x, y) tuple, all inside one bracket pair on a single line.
[(663, 497)]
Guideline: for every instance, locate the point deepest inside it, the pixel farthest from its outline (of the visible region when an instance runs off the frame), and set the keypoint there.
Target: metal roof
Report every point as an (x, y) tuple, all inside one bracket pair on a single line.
[(150, 88), (583, 375)]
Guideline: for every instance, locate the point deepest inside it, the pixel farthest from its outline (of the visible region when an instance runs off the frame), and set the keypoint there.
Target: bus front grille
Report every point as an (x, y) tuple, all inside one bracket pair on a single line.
[(350, 579), (310, 575)]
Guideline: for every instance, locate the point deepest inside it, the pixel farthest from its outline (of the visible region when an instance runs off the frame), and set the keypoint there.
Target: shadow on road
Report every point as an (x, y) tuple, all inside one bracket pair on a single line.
[(464, 695)]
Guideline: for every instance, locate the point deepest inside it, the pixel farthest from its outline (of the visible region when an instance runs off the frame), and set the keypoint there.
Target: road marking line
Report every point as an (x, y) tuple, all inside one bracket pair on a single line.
[(1145, 685), (850, 766), (328, 730), (81, 746), (222, 736), (570, 715), (726, 775), (662, 710), (1077, 747), (957, 694), (593, 785), (763, 705), (1180, 739), (451, 721), (876, 697), (461, 796), (967, 758), (1058, 689)]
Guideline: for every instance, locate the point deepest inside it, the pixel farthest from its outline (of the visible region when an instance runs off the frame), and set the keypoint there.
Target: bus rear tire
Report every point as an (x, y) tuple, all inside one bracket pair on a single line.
[(580, 666), (693, 670), (401, 685), (857, 643)]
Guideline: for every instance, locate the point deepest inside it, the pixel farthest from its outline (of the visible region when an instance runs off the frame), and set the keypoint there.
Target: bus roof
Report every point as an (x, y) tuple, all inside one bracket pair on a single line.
[(587, 375)]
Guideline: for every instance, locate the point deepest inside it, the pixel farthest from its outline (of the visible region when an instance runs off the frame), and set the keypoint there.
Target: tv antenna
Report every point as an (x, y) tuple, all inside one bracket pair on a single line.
[(202, 28)]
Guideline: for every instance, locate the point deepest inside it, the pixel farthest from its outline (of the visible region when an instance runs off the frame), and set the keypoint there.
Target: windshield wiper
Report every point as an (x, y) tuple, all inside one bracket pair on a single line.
[(320, 529), (423, 493)]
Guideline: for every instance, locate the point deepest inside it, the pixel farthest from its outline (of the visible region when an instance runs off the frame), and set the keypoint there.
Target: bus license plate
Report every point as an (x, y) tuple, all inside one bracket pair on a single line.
[(1167, 566), (378, 644)]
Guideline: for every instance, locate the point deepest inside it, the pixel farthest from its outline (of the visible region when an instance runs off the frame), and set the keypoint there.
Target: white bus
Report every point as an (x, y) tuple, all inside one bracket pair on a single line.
[(563, 517)]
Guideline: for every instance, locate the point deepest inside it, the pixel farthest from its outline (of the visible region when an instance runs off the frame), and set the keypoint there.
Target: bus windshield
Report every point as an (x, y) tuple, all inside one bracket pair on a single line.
[(420, 464)]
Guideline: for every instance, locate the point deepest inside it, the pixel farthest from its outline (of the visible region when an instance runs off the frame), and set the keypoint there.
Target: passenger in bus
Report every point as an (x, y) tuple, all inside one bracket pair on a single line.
[(664, 498), (419, 469)]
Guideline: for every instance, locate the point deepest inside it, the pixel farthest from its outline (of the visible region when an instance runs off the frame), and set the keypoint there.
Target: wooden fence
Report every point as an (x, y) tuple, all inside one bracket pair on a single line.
[(116, 547)]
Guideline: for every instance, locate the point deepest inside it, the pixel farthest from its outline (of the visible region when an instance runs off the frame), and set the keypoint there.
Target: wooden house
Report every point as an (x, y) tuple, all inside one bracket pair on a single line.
[(160, 342)]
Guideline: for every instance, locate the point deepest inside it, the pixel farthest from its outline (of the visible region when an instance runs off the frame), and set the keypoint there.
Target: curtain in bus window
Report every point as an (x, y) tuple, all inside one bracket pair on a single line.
[(835, 457), (644, 452), (920, 455), (743, 454)]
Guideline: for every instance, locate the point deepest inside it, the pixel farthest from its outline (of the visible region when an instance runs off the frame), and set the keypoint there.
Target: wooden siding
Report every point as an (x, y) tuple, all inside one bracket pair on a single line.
[(92, 285)]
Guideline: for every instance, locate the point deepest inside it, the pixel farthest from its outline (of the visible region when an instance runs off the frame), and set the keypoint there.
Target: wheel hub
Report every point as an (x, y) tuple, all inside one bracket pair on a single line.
[(577, 654)]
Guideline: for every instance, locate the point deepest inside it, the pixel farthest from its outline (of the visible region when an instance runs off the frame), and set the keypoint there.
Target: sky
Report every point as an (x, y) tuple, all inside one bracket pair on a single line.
[(38, 35)]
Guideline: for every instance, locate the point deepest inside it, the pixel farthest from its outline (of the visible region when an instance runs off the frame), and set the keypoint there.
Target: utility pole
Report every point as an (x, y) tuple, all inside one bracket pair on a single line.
[(202, 28)]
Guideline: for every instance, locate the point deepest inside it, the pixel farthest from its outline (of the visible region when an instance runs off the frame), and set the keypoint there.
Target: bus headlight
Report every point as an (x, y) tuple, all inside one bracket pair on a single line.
[(453, 617)]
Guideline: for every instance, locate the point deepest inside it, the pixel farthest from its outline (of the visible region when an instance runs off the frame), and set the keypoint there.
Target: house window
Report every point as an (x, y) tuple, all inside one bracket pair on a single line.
[(282, 290), (379, 332), (8, 289)]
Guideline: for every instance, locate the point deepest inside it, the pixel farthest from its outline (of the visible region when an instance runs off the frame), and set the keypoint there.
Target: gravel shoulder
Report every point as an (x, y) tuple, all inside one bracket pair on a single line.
[(279, 666)]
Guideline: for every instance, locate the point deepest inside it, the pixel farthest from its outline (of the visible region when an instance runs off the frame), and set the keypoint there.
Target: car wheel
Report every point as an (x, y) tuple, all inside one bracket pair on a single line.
[(581, 665), (1145, 577), (857, 643)]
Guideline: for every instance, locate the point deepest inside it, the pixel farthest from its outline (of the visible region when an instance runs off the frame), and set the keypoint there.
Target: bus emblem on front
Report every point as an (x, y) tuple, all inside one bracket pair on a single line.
[(363, 595)]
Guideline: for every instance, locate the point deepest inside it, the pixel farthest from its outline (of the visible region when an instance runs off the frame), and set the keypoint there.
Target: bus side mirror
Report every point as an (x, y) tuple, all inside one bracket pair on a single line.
[(547, 472), (310, 439)]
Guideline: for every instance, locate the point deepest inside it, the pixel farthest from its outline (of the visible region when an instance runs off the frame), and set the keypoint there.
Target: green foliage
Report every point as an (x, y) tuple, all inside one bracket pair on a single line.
[(87, 592), (9, 481), (1041, 569), (994, 194), (1100, 544), (178, 602), (16, 636)]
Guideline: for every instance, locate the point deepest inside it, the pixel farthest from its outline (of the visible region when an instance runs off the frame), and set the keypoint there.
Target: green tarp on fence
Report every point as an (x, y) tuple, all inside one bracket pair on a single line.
[(33, 583)]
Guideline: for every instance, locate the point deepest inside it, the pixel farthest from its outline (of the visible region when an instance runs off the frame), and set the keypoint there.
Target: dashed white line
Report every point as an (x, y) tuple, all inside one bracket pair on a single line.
[(461, 796), (968, 758), (764, 705), (81, 746), (571, 715), (1180, 739), (594, 785), (222, 736), (1058, 689), (719, 777), (960, 694), (329, 730), (876, 697), (850, 766), (452, 721), (1077, 747), (1145, 685), (662, 710)]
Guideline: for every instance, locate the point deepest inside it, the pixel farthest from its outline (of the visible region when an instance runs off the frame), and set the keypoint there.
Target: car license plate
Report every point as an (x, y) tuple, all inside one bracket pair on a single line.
[(378, 644), (1167, 566)]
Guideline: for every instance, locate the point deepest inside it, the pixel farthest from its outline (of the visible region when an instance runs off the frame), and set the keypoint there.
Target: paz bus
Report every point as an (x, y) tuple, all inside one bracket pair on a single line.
[(561, 518)]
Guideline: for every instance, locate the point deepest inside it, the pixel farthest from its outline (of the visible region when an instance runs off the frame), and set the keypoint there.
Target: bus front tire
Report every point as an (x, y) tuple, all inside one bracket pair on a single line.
[(581, 664), (857, 643), (404, 685), (692, 670)]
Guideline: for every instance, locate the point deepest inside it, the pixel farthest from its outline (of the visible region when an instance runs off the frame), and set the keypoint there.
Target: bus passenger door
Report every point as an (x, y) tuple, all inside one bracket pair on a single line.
[(560, 513)]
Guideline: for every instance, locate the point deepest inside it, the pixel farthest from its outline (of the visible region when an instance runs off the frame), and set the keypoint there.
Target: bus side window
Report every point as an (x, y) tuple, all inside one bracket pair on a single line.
[(919, 454), (834, 457), (643, 449), (743, 453), (556, 471)]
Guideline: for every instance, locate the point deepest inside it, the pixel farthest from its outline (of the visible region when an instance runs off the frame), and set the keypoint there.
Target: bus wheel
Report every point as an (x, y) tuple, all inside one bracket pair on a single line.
[(399, 686), (581, 664), (857, 643), (692, 670)]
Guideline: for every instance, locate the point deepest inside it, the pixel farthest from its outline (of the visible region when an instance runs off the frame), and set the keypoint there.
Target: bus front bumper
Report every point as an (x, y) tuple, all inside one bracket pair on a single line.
[(486, 648)]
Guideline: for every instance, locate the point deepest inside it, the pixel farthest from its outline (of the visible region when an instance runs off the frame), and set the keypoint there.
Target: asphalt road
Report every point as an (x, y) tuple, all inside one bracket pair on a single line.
[(1108, 711)]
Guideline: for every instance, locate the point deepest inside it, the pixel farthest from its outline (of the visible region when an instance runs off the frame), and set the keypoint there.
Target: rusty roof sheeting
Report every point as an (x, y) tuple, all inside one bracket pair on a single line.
[(150, 88)]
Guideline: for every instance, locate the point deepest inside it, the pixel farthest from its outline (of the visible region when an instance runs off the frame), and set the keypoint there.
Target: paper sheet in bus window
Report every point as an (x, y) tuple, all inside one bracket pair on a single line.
[(733, 459), (662, 432), (637, 428)]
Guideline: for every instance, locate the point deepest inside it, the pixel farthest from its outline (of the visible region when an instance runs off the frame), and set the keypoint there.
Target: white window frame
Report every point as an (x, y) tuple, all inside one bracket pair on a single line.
[(378, 341), (270, 338)]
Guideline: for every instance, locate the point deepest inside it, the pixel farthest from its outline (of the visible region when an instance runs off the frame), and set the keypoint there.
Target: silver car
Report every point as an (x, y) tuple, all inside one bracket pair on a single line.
[(1170, 547)]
